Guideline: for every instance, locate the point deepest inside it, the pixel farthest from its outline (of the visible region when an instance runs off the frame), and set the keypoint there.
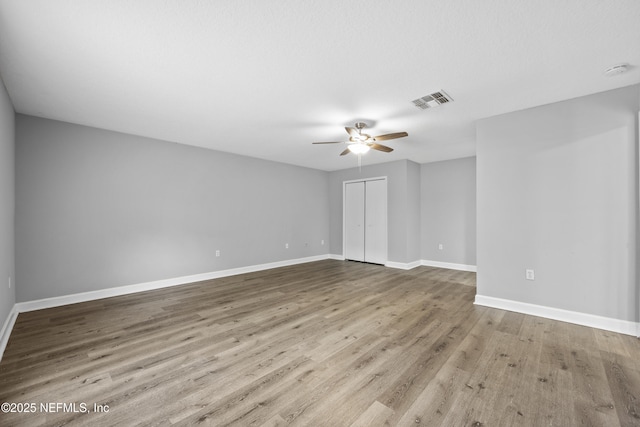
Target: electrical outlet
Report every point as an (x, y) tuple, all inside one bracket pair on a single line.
[(440, 246), (286, 246), (530, 275), (217, 253)]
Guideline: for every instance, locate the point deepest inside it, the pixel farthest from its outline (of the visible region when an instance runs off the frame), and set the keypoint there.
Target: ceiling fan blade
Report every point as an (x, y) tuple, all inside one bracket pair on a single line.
[(380, 147), (328, 142), (352, 131), (347, 151), (390, 136)]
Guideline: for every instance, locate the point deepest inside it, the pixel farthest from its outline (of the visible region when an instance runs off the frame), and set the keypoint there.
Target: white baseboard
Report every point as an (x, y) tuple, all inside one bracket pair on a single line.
[(428, 263), (449, 265), (402, 265), (414, 264), (158, 284), (584, 319), (7, 328)]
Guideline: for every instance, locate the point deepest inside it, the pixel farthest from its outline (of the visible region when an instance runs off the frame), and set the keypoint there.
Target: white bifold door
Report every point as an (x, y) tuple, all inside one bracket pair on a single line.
[(365, 221)]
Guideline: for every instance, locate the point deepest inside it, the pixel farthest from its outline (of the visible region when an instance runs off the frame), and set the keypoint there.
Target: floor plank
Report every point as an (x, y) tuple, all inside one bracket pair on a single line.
[(328, 343)]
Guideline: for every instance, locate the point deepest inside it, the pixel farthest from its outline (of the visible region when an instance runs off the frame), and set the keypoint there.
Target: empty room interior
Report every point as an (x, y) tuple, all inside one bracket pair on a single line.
[(310, 213)]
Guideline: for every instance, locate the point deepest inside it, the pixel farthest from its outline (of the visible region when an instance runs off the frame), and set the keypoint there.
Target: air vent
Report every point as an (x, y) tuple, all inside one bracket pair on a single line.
[(432, 100)]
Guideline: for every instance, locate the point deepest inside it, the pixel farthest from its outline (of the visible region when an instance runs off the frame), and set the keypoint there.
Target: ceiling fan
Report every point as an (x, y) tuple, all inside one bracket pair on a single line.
[(360, 143)]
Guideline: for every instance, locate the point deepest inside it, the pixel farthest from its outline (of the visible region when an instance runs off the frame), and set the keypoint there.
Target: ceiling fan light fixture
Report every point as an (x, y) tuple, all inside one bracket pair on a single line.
[(360, 143), (359, 148)]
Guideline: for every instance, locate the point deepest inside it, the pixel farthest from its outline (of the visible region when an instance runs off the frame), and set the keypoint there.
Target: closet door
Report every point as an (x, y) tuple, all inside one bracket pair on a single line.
[(354, 201), (375, 213)]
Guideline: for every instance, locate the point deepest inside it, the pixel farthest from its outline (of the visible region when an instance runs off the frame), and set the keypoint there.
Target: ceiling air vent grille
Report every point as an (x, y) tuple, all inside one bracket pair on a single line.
[(432, 100)]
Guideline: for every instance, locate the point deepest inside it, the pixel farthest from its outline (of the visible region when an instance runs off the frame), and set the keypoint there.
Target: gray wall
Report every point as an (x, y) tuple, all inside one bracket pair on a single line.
[(557, 192), (403, 213), (448, 206), (99, 209), (413, 223), (7, 205)]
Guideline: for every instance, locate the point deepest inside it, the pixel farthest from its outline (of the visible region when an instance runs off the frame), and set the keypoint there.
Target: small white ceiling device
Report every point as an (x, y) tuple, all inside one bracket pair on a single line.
[(616, 69)]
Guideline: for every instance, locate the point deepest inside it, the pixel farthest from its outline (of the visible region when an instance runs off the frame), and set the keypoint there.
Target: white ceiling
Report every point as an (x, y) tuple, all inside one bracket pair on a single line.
[(266, 78)]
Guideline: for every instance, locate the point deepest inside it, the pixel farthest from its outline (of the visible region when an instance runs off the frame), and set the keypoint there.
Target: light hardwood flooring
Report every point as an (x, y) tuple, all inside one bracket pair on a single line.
[(327, 343)]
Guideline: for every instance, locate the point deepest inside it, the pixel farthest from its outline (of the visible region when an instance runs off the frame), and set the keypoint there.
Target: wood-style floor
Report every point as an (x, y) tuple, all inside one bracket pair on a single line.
[(328, 343)]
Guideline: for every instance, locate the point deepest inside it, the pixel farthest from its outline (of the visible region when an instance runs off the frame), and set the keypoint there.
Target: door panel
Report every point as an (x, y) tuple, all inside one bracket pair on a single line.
[(375, 238), (354, 200)]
